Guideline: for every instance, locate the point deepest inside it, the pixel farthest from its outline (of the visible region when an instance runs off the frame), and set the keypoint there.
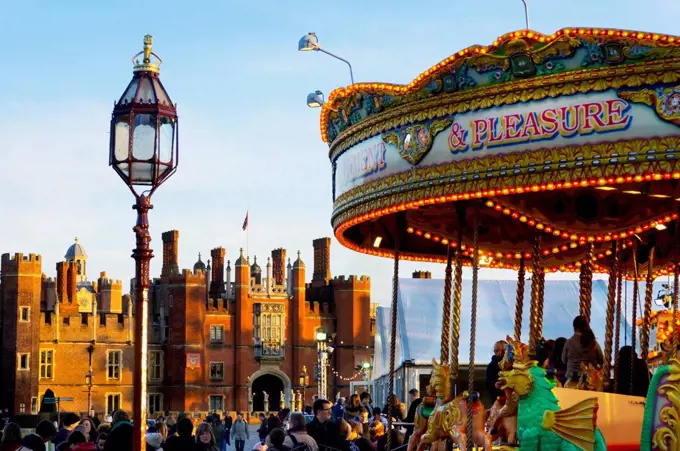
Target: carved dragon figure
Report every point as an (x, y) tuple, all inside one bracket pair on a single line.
[(541, 423), (449, 420)]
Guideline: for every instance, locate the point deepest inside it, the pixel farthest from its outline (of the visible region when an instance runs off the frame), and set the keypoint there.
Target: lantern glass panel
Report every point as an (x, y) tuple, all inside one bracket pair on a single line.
[(166, 141), (129, 95), (145, 93), (142, 173), (144, 137), (122, 138), (124, 168)]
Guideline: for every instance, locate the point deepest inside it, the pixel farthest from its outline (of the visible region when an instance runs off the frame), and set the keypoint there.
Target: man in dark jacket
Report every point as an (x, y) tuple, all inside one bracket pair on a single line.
[(492, 370), (68, 423), (415, 399), (120, 437), (322, 428)]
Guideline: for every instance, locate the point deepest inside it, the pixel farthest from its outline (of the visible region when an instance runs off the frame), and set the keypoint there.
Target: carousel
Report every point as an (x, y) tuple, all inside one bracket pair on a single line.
[(537, 153)]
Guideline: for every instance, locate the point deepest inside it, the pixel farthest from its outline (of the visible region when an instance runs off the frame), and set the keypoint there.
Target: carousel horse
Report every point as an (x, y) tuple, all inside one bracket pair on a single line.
[(502, 419), (424, 411), (448, 421), (660, 426), (541, 423)]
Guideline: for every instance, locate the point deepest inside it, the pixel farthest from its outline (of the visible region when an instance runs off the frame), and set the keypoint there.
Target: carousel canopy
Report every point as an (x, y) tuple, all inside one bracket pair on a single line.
[(420, 306), (572, 136)]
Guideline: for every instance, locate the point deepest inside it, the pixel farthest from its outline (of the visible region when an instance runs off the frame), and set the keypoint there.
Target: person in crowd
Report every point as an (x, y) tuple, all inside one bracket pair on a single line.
[(77, 441), (356, 436), (582, 347), (11, 438), (171, 423), (366, 401), (121, 432), (376, 430), (259, 446), (87, 427), (398, 411), (415, 400), (155, 440), (228, 421), (217, 430), (297, 434), (184, 440), (321, 428), (397, 441), (273, 422), (556, 362), (44, 432), (338, 410), (309, 410), (284, 416), (263, 430), (205, 439), (68, 423), (353, 409), (276, 437), (493, 369), (640, 373), (379, 417), (101, 440), (344, 433), (239, 432)]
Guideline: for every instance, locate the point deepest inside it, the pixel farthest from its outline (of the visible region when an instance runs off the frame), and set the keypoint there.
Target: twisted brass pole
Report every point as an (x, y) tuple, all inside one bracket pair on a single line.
[(457, 297), (534, 309), (519, 303), (393, 338), (609, 329), (473, 334), (647, 317), (446, 309), (617, 336), (541, 293), (586, 289), (633, 333), (676, 287)]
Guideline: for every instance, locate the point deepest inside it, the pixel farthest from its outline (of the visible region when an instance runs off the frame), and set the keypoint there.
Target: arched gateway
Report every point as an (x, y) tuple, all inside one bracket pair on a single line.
[(270, 380)]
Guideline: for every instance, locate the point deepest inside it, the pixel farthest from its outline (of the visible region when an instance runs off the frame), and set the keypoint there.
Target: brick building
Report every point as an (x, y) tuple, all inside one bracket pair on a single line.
[(220, 336)]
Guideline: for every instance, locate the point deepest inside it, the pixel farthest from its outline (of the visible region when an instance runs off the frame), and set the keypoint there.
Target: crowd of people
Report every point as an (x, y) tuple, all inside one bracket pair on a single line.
[(562, 358), (354, 425)]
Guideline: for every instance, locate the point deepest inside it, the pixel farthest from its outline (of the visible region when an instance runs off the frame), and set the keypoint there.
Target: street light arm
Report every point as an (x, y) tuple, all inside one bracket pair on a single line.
[(351, 74), (526, 13)]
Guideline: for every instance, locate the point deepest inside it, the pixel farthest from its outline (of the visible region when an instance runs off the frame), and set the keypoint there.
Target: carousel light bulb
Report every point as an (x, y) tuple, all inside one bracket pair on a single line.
[(660, 227)]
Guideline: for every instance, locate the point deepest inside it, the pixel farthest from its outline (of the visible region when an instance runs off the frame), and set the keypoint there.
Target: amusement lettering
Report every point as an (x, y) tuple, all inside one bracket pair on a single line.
[(365, 162), (565, 121)]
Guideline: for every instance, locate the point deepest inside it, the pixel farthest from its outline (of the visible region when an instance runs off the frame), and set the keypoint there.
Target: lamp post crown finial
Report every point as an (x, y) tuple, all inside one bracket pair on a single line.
[(146, 65)]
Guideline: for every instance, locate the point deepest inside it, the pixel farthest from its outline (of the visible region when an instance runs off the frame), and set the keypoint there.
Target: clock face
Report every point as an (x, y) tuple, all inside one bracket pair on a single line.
[(84, 302)]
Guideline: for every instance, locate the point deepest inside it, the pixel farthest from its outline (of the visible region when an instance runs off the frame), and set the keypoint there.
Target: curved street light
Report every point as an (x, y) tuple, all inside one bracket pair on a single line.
[(526, 13), (315, 99), (144, 152), (310, 42)]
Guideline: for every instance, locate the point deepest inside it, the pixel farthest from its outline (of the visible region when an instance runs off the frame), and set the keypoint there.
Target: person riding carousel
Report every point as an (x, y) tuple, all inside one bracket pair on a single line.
[(582, 347)]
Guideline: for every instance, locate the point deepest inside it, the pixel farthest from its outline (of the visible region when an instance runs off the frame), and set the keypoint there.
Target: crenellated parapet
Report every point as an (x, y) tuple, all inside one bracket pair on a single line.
[(21, 264)]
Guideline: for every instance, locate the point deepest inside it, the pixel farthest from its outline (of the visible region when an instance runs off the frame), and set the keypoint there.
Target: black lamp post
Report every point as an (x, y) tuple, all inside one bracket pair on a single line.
[(144, 153)]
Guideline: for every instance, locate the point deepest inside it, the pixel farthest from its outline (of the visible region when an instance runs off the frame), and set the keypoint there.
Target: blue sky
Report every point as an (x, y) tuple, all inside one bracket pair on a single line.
[(247, 139)]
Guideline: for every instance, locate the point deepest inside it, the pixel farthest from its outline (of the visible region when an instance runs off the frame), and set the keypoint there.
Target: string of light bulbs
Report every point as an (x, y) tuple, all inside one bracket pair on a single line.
[(356, 374)]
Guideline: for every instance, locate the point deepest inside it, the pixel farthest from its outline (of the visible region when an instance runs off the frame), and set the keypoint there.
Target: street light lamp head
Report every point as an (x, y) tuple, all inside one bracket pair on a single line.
[(144, 128), (308, 42), (315, 99), (366, 365), (321, 335)]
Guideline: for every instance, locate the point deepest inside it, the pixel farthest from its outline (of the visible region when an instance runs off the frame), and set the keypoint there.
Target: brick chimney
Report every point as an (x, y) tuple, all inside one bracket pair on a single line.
[(279, 266), (322, 261), (217, 276), (170, 253)]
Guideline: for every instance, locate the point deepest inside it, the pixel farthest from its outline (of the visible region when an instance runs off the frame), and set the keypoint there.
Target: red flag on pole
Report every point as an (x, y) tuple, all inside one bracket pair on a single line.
[(245, 223)]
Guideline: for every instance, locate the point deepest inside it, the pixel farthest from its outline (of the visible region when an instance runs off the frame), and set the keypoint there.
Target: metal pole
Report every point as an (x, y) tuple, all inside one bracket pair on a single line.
[(351, 74), (142, 255), (526, 13)]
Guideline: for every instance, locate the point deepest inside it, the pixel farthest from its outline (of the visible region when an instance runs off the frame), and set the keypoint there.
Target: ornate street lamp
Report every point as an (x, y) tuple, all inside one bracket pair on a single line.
[(144, 153)]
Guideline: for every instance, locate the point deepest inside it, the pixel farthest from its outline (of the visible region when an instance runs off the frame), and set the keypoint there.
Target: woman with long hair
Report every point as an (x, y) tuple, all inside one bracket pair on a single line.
[(11, 438), (205, 440), (582, 347), (353, 408), (640, 373)]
